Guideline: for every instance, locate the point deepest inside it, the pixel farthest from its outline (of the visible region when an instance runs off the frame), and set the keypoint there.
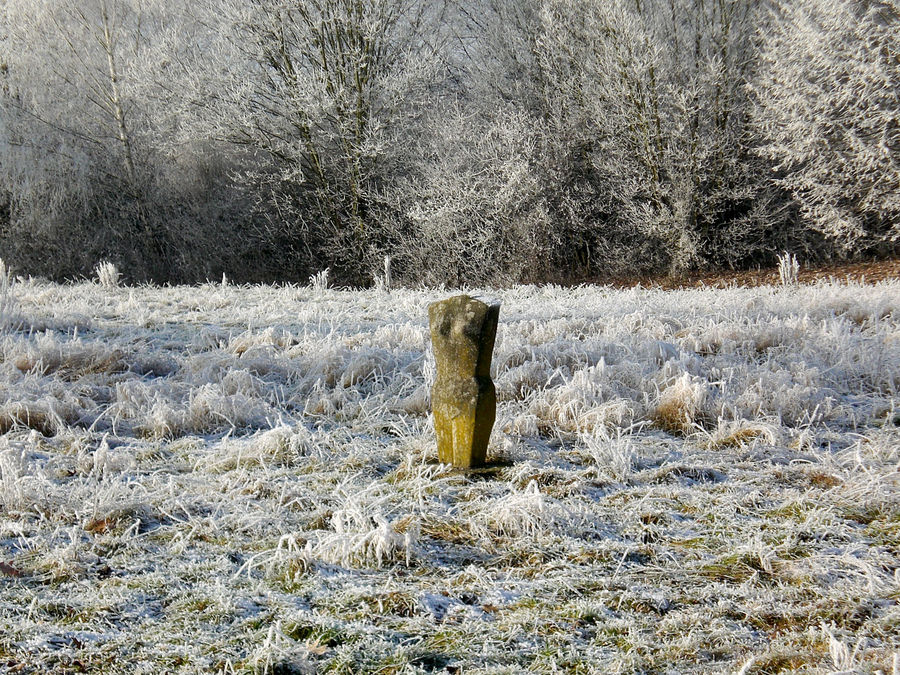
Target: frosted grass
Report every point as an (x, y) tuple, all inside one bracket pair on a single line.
[(244, 479)]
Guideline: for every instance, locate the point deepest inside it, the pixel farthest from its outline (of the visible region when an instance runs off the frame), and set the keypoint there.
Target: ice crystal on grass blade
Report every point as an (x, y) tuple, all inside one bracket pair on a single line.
[(365, 541), (107, 274), (12, 470), (788, 269), (736, 434), (842, 657), (360, 534), (383, 283), (524, 513), (609, 455), (318, 282)]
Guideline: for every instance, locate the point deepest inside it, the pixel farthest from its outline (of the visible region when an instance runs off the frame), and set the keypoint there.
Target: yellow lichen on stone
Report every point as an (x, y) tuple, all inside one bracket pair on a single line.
[(463, 398)]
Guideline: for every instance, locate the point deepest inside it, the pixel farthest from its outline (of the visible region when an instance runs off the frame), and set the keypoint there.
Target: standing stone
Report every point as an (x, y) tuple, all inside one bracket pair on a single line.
[(463, 398)]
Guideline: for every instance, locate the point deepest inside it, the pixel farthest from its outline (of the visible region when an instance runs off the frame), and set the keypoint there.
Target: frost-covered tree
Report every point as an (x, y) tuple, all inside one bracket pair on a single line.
[(322, 87), (37, 186), (75, 153), (509, 99), (5, 113), (828, 107), (69, 67), (470, 140), (103, 152), (473, 207), (645, 117)]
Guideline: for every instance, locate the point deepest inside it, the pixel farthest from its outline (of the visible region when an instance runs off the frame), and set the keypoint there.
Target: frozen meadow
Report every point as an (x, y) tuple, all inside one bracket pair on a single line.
[(244, 479)]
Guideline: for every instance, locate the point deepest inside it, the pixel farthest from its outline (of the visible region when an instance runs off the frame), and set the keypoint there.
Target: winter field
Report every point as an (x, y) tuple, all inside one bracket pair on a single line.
[(244, 479)]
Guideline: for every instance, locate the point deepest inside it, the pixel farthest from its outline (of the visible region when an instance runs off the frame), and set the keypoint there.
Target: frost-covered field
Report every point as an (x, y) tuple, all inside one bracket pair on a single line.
[(244, 479)]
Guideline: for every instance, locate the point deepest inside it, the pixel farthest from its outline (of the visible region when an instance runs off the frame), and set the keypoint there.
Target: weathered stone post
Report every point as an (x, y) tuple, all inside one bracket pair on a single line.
[(463, 398)]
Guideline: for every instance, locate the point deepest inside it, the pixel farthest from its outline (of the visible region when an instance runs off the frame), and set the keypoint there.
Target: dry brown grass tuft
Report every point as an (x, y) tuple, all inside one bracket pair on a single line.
[(31, 415), (679, 407)]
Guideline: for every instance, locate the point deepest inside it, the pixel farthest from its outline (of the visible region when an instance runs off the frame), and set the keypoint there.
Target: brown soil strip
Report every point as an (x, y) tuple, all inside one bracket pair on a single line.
[(868, 272)]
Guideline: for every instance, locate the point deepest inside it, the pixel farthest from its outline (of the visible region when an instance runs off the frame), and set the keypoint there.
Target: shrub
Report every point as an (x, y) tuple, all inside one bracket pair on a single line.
[(826, 104)]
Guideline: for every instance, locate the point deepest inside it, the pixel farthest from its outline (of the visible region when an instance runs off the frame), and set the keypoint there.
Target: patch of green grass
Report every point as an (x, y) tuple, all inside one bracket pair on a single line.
[(736, 568), (795, 511), (776, 623), (291, 576), (615, 635), (67, 614), (454, 642), (848, 614), (591, 556), (773, 663), (193, 605), (450, 530), (380, 604), (690, 543), (311, 633), (553, 660), (528, 561), (869, 513)]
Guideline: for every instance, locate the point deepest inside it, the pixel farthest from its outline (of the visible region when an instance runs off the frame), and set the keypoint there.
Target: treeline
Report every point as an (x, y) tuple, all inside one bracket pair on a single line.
[(470, 140)]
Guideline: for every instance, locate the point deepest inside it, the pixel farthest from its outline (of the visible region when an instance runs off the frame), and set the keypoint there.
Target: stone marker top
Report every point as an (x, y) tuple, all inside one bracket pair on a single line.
[(486, 299), (463, 329)]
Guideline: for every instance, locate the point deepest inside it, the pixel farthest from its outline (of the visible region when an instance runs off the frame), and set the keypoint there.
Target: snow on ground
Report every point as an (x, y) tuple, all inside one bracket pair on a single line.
[(244, 479)]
